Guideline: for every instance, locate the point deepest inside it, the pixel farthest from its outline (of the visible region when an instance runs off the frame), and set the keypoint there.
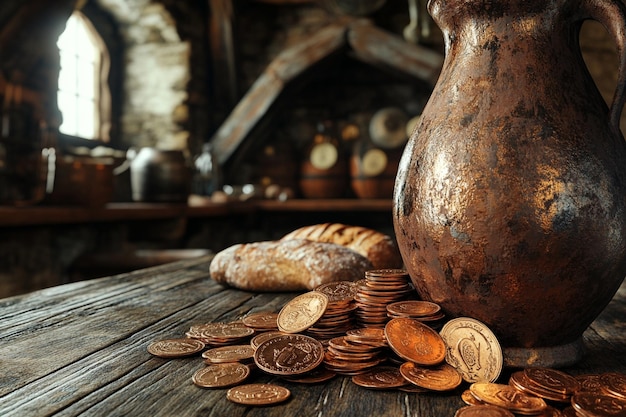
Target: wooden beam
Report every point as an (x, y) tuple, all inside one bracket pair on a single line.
[(380, 48), (286, 67)]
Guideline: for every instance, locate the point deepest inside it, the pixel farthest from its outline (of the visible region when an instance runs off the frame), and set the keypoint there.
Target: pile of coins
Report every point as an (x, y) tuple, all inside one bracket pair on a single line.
[(315, 337), (338, 317), (380, 288)]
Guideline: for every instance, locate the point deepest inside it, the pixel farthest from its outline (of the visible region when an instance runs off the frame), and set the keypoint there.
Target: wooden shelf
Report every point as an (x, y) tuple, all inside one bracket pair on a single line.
[(41, 215)]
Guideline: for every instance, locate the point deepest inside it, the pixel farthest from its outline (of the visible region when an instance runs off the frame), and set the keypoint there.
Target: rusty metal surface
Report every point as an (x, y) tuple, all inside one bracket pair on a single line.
[(510, 198)]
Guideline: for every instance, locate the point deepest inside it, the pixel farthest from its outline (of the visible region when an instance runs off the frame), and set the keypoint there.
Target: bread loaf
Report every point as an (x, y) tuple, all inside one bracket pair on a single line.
[(379, 248), (286, 265)]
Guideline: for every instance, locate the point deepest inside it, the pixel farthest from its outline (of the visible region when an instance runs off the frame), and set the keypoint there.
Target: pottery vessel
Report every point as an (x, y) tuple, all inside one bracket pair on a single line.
[(510, 197)]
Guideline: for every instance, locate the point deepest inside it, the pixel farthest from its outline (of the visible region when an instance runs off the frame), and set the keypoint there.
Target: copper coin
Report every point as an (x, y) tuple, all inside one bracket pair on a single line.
[(262, 337), (221, 375), (302, 312), (317, 375), (258, 394), (521, 381), (599, 405), (233, 353), (415, 341), (261, 321), (507, 397), (220, 331), (469, 399), (338, 291), (483, 410), (472, 349), (381, 377), (289, 354), (414, 308), (590, 383), (552, 380), (175, 348), (439, 378), (615, 384)]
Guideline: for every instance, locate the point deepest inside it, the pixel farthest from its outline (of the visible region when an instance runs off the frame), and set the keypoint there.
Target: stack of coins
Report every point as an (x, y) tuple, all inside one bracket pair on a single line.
[(424, 311), (348, 358), (220, 334), (338, 317), (380, 288), (549, 384)]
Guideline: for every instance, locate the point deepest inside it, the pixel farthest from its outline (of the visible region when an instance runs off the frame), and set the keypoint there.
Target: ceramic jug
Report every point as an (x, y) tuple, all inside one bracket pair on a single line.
[(510, 198)]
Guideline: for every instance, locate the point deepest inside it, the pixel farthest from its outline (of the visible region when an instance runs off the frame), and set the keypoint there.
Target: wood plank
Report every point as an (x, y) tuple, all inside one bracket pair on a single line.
[(81, 349)]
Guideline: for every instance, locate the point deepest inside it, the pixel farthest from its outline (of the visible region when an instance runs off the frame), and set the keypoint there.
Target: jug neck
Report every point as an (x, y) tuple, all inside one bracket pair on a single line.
[(475, 22)]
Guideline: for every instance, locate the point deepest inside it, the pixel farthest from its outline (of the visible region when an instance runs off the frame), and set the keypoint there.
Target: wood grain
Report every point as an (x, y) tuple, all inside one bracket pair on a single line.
[(80, 349)]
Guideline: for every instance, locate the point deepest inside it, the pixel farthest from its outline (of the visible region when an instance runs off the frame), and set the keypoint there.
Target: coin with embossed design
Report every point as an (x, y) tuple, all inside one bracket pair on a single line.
[(442, 377), (258, 394), (507, 397), (414, 341), (338, 291), (263, 320), (599, 405), (175, 348), (221, 375), (233, 353), (302, 312), (473, 349), (483, 410), (289, 354), (615, 384), (381, 377)]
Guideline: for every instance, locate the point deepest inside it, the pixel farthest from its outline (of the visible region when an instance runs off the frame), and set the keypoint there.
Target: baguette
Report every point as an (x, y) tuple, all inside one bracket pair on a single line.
[(286, 265), (379, 248)]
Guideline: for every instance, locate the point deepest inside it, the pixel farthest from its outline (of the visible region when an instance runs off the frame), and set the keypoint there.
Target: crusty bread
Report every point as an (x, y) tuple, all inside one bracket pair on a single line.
[(286, 265), (378, 247)]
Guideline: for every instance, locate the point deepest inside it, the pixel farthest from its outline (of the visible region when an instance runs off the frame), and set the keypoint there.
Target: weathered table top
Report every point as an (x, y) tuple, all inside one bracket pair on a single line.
[(80, 349)]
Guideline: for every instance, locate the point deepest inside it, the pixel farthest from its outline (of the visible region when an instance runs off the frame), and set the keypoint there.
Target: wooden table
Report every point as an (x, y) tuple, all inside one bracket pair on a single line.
[(80, 349)]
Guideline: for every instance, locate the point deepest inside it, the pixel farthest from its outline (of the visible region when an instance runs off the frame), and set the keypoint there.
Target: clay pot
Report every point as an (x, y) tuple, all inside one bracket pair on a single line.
[(510, 198)]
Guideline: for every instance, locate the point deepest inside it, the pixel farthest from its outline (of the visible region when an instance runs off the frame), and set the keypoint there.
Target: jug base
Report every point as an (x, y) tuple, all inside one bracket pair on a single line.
[(548, 356)]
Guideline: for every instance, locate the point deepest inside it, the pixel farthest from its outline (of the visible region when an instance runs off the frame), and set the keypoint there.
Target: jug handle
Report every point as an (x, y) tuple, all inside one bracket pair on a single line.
[(612, 15)]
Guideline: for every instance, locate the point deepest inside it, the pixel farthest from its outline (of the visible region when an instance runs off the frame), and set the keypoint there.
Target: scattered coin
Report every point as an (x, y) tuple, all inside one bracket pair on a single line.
[(508, 397), (302, 312), (233, 353), (483, 410), (317, 375), (220, 334), (550, 384), (258, 394), (590, 383), (469, 398), (175, 348), (261, 321), (289, 354), (438, 378), (598, 405), (380, 377), (472, 349), (415, 342), (221, 375), (614, 384), (262, 337)]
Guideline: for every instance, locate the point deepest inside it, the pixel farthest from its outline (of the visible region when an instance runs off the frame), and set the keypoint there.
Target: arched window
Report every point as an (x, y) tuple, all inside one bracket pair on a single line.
[(83, 96)]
